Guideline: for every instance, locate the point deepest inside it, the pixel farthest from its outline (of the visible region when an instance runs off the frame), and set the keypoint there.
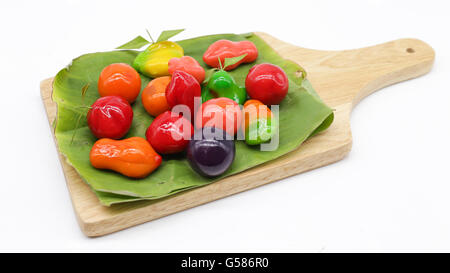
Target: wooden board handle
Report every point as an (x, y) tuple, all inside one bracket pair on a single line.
[(389, 63), (350, 75)]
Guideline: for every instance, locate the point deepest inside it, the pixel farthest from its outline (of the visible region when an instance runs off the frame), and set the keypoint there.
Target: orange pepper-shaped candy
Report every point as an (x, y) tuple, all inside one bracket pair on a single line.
[(133, 157)]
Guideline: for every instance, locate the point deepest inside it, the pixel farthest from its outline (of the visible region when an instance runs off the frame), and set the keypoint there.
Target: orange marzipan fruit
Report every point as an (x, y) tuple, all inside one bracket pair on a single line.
[(132, 157), (154, 96)]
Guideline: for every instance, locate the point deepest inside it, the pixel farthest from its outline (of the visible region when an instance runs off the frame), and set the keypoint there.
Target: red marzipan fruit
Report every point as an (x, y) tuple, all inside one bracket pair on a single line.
[(267, 83), (110, 117), (182, 89), (169, 133), (222, 113)]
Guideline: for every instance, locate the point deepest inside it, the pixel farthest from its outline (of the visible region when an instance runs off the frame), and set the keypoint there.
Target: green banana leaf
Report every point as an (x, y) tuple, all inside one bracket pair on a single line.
[(302, 114)]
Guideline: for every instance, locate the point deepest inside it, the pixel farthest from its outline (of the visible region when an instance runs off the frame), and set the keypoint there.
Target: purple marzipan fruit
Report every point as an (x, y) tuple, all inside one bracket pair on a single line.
[(211, 151)]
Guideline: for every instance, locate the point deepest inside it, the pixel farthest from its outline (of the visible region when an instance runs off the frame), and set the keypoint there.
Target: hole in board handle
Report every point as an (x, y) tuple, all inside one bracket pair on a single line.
[(410, 50)]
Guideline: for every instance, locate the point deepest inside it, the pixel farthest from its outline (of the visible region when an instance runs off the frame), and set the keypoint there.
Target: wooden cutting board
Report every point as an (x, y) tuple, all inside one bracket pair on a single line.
[(341, 78)]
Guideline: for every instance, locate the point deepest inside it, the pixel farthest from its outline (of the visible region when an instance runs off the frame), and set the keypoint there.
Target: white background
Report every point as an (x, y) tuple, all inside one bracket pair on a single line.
[(391, 193)]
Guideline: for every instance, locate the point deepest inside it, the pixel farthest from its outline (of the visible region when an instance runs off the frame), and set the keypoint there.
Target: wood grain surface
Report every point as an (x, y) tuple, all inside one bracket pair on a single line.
[(341, 78)]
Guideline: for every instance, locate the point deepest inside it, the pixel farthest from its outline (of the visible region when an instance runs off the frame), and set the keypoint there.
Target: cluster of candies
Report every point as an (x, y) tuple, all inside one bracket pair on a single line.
[(206, 134)]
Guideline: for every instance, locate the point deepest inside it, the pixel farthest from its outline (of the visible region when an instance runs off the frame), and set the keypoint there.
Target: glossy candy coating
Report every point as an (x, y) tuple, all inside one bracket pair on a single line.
[(132, 157), (169, 133), (182, 89), (260, 131), (222, 84), (222, 113), (267, 83), (110, 117), (210, 153), (154, 96), (154, 61), (259, 123), (119, 79), (188, 65), (253, 110), (227, 49)]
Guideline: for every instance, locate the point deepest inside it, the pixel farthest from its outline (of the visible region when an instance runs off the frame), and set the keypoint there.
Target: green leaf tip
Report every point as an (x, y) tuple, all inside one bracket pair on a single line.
[(140, 41), (232, 61), (136, 43), (167, 34)]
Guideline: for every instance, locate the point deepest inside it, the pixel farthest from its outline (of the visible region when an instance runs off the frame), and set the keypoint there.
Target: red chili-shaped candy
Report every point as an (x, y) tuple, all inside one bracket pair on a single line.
[(182, 89), (169, 133), (227, 49), (110, 117)]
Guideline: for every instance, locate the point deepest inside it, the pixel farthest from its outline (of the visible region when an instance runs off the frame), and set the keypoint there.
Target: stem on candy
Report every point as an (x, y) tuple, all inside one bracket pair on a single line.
[(220, 64), (149, 35)]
